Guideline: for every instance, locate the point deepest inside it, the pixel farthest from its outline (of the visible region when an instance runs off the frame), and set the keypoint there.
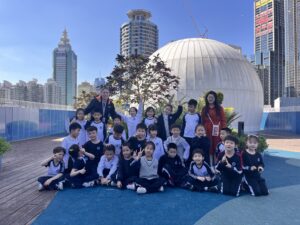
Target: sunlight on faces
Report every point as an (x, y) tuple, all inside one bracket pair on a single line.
[(200, 131), (126, 152), (140, 133), (92, 135), (59, 156), (97, 116), (150, 113), (172, 152), (80, 115), (117, 136), (132, 111), (211, 99), (117, 121), (175, 132), (191, 108), (153, 133), (75, 133), (198, 158), (229, 145), (252, 144), (149, 150), (105, 94), (223, 134), (168, 110), (109, 154)]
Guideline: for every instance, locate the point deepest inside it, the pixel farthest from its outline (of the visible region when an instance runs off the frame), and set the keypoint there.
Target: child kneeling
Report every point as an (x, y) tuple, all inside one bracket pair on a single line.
[(253, 167), (148, 180), (200, 176), (229, 166)]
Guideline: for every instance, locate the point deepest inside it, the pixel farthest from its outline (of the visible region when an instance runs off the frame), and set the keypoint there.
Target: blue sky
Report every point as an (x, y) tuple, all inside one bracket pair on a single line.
[(30, 30)]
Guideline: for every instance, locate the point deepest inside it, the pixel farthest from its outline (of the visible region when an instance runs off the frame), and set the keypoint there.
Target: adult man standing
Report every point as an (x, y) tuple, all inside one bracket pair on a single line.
[(103, 104)]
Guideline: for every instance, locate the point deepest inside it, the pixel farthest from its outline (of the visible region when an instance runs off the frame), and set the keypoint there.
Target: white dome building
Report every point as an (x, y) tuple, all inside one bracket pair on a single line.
[(204, 64)]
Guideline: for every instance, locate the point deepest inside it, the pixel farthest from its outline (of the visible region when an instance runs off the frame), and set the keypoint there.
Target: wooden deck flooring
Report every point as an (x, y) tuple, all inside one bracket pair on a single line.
[(20, 202)]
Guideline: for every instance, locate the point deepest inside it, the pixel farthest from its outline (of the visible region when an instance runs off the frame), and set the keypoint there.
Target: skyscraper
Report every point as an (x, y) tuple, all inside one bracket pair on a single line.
[(35, 91), (52, 92), (269, 46), (65, 69), (139, 36), (292, 48)]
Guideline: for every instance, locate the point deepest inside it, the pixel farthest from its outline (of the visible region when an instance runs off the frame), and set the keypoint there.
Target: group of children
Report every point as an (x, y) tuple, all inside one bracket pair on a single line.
[(158, 153)]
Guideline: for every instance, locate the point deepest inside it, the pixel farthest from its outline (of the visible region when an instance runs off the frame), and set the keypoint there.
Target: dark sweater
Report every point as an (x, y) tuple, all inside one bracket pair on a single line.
[(126, 169), (171, 120), (174, 163)]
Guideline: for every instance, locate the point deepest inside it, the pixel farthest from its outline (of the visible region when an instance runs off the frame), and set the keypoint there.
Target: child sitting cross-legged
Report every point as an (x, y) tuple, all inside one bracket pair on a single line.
[(148, 180), (200, 176), (81, 176), (171, 167), (54, 179)]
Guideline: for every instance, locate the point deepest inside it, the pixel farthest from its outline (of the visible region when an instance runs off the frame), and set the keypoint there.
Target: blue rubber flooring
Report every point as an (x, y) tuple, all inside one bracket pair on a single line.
[(109, 206)]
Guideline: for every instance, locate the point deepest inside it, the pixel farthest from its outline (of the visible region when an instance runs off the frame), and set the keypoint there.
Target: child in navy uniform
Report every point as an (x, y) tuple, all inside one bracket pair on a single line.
[(71, 139), (223, 134), (54, 179), (200, 176), (97, 122), (138, 142), (230, 168), (108, 165), (190, 120), (171, 167), (202, 142), (253, 167), (159, 148), (79, 118), (95, 147), (166, 120), (81, 176), (148, 180), (126, 173), (116, 139)]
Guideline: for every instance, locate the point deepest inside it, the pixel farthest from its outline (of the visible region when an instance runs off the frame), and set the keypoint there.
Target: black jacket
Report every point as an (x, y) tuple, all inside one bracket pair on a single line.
[(96, 104), (171, 120)]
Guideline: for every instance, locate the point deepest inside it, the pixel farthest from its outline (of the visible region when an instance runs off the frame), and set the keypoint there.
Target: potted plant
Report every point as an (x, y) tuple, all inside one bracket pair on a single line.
[(4, 147)]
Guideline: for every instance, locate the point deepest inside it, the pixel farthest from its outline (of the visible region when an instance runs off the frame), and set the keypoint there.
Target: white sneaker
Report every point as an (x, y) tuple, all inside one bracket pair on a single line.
[(40, 186), (60, 186), (141, 190), (88, 184), (161, 189), (130, 186)]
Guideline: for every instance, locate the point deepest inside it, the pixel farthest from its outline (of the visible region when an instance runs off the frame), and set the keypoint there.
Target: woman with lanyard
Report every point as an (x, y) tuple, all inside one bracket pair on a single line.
[(213, 119)]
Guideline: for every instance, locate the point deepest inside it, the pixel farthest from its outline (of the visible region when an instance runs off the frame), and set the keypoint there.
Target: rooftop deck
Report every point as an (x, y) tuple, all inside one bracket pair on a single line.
[(21, 203)]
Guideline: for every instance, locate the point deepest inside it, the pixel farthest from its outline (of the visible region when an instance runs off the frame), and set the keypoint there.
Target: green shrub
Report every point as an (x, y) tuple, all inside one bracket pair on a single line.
[(262, 145), (4, 146)]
